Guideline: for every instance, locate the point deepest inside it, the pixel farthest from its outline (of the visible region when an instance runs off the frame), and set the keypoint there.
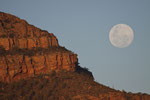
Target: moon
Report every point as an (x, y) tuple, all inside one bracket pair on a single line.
[(121, 35)]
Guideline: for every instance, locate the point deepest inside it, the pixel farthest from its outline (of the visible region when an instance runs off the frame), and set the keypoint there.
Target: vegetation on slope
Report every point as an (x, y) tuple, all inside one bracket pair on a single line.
[(62, 85), (33, 51), (53, 86)]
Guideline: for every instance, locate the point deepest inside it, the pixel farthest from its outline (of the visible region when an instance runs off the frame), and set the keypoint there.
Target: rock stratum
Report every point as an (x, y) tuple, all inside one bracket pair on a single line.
[(33, 66), (27, 50)]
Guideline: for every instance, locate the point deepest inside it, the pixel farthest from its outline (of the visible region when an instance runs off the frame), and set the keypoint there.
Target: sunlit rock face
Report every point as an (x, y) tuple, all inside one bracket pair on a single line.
[(15, 32), (26, 50)]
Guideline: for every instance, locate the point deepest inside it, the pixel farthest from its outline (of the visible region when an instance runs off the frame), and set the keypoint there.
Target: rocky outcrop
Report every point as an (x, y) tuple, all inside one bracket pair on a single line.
[(14, 67), (43, 42), (15, 32), (26, 50)]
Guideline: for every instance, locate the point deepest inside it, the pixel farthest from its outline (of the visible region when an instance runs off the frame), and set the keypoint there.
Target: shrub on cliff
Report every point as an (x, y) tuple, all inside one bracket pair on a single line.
[(52, 86), (62, 85), (33, 51), (2, 50)]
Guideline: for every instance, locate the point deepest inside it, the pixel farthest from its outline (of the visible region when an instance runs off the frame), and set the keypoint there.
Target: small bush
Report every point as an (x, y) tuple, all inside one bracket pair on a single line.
[(3, 36), (12, 35), (2, 50)]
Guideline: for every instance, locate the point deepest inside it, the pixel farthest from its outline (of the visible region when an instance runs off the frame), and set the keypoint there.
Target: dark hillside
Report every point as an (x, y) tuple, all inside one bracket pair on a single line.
[(63, 85)]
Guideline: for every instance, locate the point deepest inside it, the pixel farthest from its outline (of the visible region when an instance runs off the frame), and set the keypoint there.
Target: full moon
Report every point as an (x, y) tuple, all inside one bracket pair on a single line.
[(121, 35)]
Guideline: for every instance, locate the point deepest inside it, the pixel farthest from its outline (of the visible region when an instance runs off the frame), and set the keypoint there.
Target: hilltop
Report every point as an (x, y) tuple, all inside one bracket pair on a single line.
[(26, 50), (33, 66)]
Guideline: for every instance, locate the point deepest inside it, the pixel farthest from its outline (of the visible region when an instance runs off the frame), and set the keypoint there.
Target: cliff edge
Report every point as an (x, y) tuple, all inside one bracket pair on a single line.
[(26, 50), (33, 66)]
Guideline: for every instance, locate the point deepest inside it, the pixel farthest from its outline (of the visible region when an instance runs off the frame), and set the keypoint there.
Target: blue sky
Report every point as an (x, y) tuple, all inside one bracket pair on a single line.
[(83, 26)]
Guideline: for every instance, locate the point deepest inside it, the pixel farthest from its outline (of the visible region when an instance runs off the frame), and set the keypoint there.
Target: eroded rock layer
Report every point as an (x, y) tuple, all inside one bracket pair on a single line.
[(26, 50), (15, 32), (14, 67)]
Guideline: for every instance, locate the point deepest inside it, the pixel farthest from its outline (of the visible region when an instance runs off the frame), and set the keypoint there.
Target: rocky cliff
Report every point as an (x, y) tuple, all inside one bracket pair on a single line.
[(33, 66), (26, 50), (15, 32)]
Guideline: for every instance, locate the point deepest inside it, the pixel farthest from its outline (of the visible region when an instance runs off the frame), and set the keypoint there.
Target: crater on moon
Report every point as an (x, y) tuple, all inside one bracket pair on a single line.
[(121, 35)]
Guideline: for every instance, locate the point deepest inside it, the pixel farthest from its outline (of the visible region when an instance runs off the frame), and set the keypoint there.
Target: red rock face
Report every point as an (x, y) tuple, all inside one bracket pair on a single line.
[(17, 33), (26, 51), (19, 66)]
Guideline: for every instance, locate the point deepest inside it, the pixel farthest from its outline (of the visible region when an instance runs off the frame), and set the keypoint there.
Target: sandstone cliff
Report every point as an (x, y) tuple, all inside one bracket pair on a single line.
[(33, 66), (15, 32), (26, 50)]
